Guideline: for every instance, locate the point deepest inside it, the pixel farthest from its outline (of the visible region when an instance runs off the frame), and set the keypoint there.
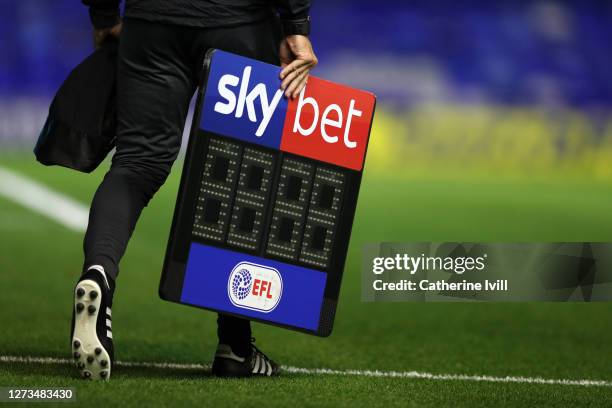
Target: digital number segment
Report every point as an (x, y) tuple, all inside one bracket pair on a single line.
[(238, 188)]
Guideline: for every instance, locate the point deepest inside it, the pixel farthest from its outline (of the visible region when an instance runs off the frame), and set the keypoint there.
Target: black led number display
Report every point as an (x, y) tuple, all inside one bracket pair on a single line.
[(236, 187)]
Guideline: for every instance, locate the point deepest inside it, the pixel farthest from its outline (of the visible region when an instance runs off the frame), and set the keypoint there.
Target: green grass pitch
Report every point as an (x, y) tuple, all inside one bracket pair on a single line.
[(40, 260)]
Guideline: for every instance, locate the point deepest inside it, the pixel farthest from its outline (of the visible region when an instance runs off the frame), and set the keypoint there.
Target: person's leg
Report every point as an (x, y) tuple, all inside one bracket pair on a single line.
[(155, 82), (260, 41), (235, 332)]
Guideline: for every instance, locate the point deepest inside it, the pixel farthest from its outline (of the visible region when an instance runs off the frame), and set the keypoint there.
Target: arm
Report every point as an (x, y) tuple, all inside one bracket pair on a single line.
[(296, 53), (293, 9), (104, 15)]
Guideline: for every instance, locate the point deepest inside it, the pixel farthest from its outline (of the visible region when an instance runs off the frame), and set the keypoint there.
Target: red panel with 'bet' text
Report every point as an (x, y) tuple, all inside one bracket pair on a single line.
[(329, 122)]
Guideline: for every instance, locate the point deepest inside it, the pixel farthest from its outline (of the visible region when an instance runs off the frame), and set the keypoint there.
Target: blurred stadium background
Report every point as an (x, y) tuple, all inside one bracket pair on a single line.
[(481, 88), (494, 123)]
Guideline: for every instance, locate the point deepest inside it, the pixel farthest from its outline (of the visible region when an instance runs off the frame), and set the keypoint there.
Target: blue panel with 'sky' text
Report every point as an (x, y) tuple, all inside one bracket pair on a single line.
[(252, 286), (244, 100)]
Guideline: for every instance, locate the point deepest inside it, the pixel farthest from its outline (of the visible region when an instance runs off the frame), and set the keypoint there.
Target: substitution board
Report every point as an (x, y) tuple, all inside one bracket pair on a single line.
[(267, 196)]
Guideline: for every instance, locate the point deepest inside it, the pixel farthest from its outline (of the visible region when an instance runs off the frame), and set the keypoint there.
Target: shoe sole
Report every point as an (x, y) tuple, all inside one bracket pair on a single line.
[(90, 357)]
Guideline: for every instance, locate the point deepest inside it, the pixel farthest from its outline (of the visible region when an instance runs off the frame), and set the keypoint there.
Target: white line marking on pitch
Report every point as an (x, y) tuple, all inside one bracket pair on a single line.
[(35, 196), (327, 371)]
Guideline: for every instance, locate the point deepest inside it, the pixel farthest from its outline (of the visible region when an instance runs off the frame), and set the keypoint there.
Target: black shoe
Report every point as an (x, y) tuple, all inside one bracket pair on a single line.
[(229, 364), (92, 339)]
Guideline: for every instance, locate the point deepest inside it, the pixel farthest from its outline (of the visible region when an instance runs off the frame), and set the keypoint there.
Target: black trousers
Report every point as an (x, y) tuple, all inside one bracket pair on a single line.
[(158, 70)]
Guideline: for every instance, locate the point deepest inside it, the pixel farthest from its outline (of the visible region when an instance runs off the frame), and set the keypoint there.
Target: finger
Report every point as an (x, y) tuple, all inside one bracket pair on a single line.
[(289, 78), (294, 84), (300, 86), (292, 67), (291, 85)]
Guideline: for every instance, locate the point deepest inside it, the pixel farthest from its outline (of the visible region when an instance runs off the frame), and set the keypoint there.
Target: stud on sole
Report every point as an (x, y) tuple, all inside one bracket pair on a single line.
[(91, 358)]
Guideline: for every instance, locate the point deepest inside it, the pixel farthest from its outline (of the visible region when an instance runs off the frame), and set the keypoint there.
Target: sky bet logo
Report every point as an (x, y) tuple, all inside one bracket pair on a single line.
[(255, 287), (328, 122)]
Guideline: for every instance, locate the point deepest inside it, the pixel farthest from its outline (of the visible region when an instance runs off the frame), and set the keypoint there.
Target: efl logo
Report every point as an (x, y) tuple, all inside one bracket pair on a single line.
[(255, 287), (328, 122)]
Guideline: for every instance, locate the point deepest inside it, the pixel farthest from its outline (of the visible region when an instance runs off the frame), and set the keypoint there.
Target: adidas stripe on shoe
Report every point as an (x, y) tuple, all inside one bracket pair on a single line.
[(229, 364)]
